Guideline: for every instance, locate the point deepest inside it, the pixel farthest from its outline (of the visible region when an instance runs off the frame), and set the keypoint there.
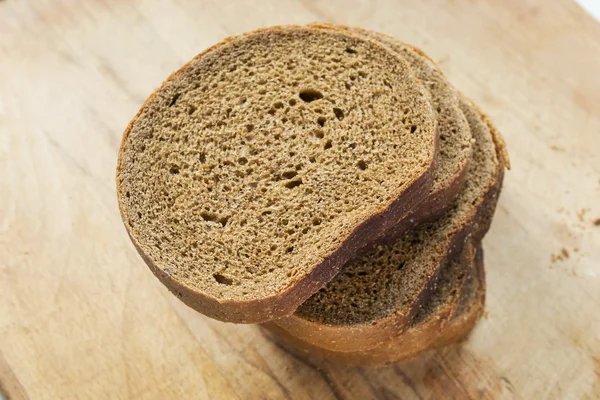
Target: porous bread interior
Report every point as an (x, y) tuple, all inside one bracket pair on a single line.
[(254, 162), (388, 279), (455, 135)]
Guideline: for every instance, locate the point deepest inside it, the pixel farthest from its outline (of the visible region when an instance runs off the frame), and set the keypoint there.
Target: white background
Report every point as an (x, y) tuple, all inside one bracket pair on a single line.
[(592, 6)]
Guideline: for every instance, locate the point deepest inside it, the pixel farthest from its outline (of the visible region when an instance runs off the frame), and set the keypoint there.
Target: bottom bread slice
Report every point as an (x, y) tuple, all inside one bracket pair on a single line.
[(450, 314)]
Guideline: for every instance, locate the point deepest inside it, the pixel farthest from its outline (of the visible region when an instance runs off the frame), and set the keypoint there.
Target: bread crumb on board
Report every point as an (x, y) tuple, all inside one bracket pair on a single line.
[(564, 254), (597, 221), (581, 214)]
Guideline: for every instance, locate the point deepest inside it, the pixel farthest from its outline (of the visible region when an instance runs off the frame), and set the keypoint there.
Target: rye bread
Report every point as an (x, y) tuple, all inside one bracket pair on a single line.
[(375, 298), (456, 139), (440, 320), (260, 167)]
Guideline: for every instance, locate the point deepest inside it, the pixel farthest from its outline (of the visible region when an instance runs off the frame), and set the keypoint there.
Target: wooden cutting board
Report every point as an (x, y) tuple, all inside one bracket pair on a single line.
[(82, 317)]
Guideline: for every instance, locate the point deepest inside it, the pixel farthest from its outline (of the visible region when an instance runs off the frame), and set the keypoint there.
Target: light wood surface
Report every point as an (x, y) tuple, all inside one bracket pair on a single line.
[(82, 317)]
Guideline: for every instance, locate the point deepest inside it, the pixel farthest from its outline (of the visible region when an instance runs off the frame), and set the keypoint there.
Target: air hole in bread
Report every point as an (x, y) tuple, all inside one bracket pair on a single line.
[(292, 102), (242, 160), (211, 217), (413, 128), (293, 184), (174, 170), (361, 165), (310, 95), (350, 50), (174, 99), (327, 144), (319, 134), (289, 174), (321, 121), (223, 280), (339, 114)]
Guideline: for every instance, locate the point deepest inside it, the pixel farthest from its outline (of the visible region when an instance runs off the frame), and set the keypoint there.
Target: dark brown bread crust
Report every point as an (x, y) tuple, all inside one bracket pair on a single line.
[(472, 308), (285, 302), (341, 337), (440, 329)]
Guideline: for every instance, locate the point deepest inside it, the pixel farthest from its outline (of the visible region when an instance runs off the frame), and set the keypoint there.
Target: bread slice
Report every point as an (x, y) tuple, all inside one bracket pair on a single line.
[(260, 167), (432, 327), (455, 135), (376, 297)]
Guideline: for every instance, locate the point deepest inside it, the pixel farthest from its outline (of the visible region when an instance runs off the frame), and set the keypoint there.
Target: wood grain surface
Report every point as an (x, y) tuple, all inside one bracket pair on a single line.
[(82, 317)]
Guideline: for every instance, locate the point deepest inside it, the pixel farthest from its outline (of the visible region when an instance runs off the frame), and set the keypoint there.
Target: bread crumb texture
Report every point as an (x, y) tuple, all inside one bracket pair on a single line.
[(258, 158)]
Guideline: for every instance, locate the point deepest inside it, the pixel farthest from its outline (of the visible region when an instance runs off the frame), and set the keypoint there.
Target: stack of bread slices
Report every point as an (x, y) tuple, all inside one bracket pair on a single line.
[(325, 181)]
